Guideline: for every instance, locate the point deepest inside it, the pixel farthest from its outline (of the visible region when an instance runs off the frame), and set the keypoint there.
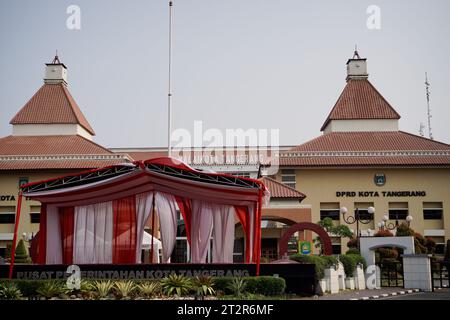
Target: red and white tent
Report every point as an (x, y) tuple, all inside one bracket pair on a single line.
[(98, 216)]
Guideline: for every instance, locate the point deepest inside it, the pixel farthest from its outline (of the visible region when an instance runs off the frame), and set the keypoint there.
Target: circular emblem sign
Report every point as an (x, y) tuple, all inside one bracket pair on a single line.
[(379, 179)]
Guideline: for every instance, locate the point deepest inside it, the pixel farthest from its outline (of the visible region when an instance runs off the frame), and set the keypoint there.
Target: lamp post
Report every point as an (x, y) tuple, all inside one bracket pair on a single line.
[(357, 218), (391, 226)]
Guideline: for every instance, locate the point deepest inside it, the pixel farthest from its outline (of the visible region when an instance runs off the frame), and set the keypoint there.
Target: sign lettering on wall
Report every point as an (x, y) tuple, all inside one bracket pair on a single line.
[(384, 194), (7, 198)]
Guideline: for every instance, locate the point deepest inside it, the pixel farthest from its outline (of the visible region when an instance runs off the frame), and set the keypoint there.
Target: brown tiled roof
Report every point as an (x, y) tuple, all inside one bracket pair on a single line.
[(52, 104), (394, 148), (54, 152), (355, 161), (370, 141), (279, 190), (146, 155), (360, 100), (49, 145), (32, 164)]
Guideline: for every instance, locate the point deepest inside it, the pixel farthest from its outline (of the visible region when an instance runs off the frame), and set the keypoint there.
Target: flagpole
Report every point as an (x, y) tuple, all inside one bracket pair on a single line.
[(169, 96)]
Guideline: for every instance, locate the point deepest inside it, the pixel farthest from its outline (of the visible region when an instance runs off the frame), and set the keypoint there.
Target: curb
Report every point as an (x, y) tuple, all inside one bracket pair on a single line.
[(392, 294)]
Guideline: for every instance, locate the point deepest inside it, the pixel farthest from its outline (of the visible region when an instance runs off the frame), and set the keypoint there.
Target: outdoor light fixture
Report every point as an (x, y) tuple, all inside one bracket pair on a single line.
[(391, 226), (357, 218)]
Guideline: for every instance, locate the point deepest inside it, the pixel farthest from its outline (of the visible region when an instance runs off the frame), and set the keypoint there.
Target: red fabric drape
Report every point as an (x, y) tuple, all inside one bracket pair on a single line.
[(66, 219), (186, 211), (243, 216), (257, 233), (42, 246), (124, 230)]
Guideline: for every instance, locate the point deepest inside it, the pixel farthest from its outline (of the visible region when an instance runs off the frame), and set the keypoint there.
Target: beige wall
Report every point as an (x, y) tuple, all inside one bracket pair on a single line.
[(9, 182), (321, 185)]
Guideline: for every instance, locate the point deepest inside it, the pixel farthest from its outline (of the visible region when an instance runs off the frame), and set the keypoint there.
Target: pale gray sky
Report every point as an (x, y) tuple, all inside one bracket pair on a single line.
[(236, 64)]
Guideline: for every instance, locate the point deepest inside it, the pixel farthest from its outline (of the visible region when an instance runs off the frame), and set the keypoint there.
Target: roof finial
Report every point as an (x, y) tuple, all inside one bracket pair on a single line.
[(56, 58), (356, 54)]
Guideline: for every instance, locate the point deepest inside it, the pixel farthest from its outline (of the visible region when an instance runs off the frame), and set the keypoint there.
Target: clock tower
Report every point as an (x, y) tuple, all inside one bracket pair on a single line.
[(357, 67)]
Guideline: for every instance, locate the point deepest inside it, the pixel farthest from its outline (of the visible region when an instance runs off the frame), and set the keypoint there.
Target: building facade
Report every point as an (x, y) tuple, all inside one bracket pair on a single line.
[(50, 137), (363, 160)]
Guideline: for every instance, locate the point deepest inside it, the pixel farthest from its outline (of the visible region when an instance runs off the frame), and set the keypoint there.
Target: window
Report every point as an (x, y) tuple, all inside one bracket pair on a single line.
[(329, 210), (35, 214), (440, 248), (432, 210), (288, 177), (336, 248), (398, 210), (7, 215), (361, 210)]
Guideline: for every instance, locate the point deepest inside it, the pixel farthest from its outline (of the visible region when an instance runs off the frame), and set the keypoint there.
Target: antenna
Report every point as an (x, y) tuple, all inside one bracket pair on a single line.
[(422, 126), (427, 87), (169, 95)]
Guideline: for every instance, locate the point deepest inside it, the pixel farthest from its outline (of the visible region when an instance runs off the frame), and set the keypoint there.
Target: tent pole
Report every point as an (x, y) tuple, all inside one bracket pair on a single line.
[(16, 227), (153, 228)]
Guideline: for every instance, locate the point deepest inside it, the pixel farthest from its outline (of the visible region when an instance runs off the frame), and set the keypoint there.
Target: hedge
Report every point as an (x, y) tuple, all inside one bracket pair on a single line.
[(321, 263), (264, 285)]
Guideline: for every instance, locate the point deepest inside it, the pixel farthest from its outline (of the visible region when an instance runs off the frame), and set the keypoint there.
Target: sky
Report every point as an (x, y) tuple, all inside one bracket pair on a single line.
[(254, 64)]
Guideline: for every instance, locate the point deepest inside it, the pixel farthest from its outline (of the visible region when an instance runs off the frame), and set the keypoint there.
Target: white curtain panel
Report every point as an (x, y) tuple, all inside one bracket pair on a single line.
[(54, 242), (223, 233), (166, 208), (144, 202), (93, 233), (201, 229)]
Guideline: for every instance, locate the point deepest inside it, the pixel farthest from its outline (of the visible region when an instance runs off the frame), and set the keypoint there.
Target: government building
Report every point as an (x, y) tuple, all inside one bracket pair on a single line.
[(361, 160)]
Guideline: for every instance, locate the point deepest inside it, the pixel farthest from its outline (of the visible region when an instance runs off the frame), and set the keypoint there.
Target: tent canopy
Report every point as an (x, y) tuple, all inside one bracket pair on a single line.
[(161, 174), (135, 187)]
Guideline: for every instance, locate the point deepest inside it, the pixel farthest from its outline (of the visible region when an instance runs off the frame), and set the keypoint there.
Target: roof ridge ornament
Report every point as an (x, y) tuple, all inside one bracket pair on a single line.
[(356, 54), (56, 58)]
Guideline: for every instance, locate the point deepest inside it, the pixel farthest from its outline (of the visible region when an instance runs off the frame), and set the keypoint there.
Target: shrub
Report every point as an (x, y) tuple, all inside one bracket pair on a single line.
[(352, 243), (21, 254), (318, 261), (352, 251), (102, 288), (329, 261), (403, 230), (50, 289), (223, 284), (204, 285), (149, 289), (430, 244), (359, 259), (385, 254), (9, 291), (383, 233), (176, 284), (29, 288), (349, 264), (350, 261), (262, 285), (238, 286), (265, 285), (124, 289)]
